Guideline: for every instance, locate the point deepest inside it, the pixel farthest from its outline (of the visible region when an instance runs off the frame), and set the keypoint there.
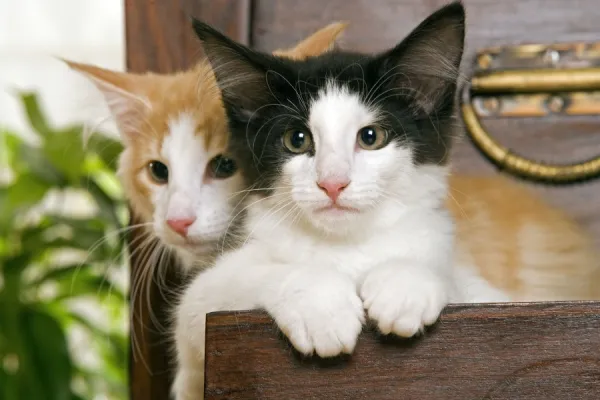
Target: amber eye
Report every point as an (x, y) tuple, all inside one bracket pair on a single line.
[(297, 141), (372, 138), (221, 167), (158, 172)]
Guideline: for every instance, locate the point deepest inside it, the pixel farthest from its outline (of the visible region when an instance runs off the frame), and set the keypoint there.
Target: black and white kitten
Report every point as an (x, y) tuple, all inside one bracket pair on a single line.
[(345, 155)]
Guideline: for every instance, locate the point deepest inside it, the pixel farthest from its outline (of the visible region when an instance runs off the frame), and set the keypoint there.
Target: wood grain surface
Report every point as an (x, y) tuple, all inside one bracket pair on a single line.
[(159, 38), (519, 351)]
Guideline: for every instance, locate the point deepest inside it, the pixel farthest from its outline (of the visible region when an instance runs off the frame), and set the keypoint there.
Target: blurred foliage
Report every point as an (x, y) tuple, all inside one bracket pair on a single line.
[(62, 310)]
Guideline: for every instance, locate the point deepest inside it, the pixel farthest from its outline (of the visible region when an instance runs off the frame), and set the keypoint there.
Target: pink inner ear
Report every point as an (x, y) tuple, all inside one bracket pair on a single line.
[(127, 109), (122, 93)]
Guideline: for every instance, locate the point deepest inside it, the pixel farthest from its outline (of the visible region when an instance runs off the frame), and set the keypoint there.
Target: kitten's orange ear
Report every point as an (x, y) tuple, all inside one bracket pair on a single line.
[(121, 91), (318, 43)]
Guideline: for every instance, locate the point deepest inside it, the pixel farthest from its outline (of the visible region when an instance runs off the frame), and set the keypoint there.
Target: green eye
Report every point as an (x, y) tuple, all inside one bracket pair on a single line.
[(221, 167), (372, 138), (159, 172), (297, 141)]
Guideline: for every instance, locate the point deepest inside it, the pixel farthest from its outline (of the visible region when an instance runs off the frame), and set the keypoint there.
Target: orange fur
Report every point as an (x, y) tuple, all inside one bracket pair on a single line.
[(520, 244), (317, 43), (151, 100)]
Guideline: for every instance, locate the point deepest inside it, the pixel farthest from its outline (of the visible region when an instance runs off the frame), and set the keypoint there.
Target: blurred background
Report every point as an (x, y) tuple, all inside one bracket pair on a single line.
[(63, 272)]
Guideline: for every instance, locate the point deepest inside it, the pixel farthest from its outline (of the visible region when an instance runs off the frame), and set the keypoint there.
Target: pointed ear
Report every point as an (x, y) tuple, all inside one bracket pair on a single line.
[(318, 43), (241, 73), (122, 92), (427, 62)]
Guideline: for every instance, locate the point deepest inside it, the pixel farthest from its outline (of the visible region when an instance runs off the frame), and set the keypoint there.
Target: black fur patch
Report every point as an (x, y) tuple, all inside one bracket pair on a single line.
[(413, 85)]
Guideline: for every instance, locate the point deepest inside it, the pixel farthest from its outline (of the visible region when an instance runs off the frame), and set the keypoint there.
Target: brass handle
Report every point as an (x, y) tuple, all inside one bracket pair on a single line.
[(527, 81)]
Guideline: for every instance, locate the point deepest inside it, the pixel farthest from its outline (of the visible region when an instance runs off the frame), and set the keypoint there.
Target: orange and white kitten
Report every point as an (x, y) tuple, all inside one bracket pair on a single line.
[(526, 249), (174, 168)]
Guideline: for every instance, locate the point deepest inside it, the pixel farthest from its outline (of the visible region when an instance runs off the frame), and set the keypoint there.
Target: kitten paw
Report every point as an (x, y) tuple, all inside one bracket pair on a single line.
[(403, 300), (319, 313)]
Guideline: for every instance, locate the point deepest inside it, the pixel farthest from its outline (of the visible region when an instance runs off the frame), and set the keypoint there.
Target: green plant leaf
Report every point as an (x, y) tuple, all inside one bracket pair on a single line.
[(117, 351), (13, 266), (86, 284), (114, 350), (9, 145), (83, 234), (66, 153), (7, 214), (33, 160), (63, 274), (26, 191), (35, 116), (49, 354), (106, 204), (86, 323), (106, 148), (7, 389), (35, 332)]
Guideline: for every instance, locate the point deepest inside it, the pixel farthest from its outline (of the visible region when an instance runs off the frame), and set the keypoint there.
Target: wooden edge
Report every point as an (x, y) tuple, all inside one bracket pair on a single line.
[(451, 312), (532, 351)]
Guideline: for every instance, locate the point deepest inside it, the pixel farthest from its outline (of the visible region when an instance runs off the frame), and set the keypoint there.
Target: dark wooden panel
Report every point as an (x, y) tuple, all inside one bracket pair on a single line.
[(377, 25), (159, 38), (158, 33), (529, 352)]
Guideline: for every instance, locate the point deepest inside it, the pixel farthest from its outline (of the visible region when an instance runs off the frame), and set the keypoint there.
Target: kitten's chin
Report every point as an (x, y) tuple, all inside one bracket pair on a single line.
[(194, 256), (336, 219), (200, 249), (191, 248), (336, 211)]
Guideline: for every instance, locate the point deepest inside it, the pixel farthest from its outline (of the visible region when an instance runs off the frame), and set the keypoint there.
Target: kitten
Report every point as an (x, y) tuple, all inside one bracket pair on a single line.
[(175, 170), (347, 155)]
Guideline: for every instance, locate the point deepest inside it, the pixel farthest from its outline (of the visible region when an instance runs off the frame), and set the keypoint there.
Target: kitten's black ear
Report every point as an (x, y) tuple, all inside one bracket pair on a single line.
[(427, 62), (240, 72)]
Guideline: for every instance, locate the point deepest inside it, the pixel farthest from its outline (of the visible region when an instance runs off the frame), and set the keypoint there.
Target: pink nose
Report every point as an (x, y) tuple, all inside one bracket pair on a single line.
[(181, 226), (333, 188)]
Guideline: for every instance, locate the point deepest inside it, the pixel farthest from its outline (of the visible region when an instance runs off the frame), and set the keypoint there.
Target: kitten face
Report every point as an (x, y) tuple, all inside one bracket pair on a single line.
[(176, 169), (340, 135), (353, 160), (179, 176)]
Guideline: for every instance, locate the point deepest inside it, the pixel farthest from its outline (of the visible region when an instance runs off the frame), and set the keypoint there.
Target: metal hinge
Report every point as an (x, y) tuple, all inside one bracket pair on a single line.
[(533, 81)]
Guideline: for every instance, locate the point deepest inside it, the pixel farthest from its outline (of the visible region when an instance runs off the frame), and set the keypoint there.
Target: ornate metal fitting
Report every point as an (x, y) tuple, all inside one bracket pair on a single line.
[(533, 81)]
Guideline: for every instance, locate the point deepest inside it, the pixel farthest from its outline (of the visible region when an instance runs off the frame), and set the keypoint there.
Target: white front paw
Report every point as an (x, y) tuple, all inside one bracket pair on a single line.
[(403, 300), (319, 312)]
